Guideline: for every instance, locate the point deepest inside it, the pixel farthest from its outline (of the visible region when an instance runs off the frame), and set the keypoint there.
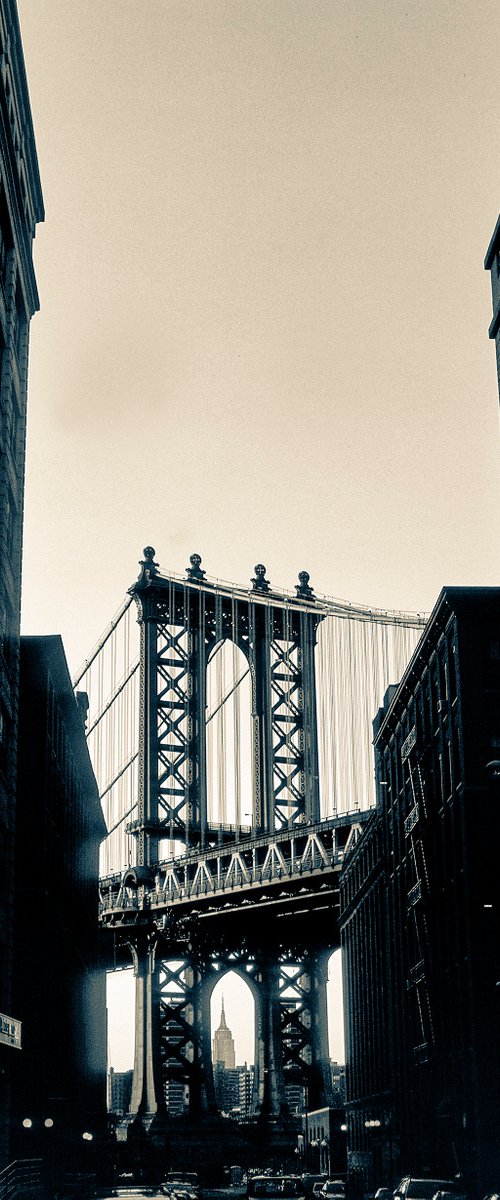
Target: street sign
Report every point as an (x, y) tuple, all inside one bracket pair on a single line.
[(10, 1031)]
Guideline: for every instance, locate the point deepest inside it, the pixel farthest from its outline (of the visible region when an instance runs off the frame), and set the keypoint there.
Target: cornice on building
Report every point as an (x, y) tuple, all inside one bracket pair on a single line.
[(451, 601), (19, 162)]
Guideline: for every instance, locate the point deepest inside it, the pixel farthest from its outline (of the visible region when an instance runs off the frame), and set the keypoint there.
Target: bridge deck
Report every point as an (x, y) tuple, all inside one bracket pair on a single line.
[(266, 869)]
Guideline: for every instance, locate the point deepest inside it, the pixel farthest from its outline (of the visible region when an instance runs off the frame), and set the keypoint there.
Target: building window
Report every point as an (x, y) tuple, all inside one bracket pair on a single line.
[(10, 520), (21, 327), (5, 237), (4, 727), (3, 252)]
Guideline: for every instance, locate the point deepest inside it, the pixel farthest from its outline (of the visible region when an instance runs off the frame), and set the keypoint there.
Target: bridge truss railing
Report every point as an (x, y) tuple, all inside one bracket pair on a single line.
[(286, 856)]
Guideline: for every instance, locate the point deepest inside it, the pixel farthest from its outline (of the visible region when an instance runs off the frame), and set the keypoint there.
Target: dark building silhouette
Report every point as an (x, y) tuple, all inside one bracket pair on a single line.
[(338, 1084), (246, 1089), (227, 1088), (119, 1091), (59, 985), (419, 900), (324, 1141), (21, 207), (492, 264)]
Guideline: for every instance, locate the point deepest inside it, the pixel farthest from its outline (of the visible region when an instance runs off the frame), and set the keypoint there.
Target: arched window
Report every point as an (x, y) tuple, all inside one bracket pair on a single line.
[(232, 1009)]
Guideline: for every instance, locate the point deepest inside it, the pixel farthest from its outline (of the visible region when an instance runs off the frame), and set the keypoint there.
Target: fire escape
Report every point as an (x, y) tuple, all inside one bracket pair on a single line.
[(419, 965)]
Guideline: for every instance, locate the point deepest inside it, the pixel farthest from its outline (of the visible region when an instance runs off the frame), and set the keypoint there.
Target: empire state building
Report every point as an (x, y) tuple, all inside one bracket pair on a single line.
[(223, 1043)]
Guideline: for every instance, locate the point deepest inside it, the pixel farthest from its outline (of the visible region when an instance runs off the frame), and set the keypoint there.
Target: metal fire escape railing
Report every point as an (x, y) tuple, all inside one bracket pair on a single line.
[(418, 971)]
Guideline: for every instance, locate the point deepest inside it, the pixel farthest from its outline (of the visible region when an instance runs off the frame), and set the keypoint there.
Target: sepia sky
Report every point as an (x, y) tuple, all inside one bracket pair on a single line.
[(263, 326)]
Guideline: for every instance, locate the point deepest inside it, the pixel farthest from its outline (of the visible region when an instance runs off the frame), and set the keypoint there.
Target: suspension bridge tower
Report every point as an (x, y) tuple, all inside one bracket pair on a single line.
[(250, 886), (182, 622)]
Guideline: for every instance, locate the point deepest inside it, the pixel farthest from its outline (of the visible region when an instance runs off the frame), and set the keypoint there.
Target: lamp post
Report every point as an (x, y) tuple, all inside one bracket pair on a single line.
[(42, 1146), (299, 1151), (324, 1161), (373, 1125)]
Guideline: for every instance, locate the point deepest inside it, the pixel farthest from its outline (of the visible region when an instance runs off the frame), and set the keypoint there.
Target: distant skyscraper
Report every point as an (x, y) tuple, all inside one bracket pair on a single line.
[(223, 1043)]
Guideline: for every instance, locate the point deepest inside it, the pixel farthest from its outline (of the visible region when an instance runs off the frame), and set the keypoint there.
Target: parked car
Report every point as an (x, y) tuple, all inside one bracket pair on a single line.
[(423, 1189), (333, 1189), (275, 1187), (458, 1194), (182, 1183), (129, 1193), (313, 1183), (383, 1194)]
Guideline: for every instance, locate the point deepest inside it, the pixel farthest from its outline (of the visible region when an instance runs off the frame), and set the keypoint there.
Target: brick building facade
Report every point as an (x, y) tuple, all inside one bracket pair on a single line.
[(59, 984), (21, 207), (418, 906)]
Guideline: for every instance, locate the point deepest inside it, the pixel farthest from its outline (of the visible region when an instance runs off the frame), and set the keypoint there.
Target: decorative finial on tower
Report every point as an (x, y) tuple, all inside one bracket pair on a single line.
[(149, 568), (195, 571), (304, 592), (260, 583), (149, 559)]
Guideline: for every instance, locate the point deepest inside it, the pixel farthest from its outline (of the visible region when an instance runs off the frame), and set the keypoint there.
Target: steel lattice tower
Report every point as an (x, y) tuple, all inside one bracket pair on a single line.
[(262, 900)]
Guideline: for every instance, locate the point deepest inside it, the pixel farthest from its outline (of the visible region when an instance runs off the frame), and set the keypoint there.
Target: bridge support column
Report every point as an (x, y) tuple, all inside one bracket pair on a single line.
[(147, 1104), (304, 1025), (201, 1079), (268, 1042), (320, 1084)]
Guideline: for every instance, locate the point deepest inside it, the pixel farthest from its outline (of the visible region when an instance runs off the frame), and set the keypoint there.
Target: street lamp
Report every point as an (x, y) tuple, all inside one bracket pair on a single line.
[(325, 1156), (299, 1151), (375, 1148)]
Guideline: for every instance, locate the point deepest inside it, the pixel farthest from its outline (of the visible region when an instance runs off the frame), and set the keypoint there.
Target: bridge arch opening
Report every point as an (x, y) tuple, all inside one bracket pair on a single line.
[(233, 1020), (335, 1010), (230, 764), (120, 1004)]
